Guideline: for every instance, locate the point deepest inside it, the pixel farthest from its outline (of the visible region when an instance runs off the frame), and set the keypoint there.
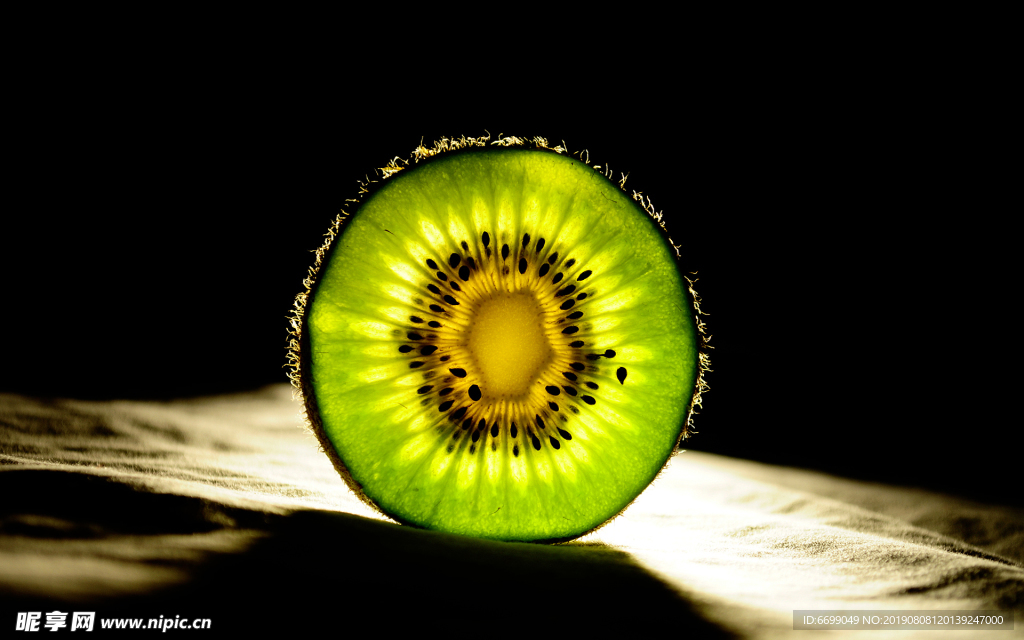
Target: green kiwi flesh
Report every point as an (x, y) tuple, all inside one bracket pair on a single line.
[(498, 343)]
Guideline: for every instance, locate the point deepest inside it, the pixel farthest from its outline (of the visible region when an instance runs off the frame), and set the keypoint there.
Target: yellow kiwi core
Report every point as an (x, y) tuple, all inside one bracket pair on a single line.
[(509, 344)]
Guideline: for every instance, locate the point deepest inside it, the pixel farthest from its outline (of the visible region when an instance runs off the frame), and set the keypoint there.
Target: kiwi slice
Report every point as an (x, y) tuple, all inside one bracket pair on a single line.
[(498, 342)]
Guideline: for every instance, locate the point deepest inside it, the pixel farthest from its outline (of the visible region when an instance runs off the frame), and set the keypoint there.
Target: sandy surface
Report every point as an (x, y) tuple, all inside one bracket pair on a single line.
[(225, 507)]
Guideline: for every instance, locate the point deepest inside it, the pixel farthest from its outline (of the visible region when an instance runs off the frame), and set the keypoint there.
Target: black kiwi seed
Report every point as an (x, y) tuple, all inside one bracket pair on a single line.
[(461, 269), (465, 245)]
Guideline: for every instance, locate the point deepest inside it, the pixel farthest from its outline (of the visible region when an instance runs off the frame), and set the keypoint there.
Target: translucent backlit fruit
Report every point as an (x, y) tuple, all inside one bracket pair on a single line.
[(498, 342)]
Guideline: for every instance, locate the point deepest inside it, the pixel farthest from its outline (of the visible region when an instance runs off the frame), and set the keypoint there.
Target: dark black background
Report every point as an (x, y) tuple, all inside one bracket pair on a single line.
[(162, 230)]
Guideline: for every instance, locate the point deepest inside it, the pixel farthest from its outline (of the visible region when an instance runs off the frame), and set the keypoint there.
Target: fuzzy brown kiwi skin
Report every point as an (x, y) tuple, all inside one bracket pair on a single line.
[(299, 348)]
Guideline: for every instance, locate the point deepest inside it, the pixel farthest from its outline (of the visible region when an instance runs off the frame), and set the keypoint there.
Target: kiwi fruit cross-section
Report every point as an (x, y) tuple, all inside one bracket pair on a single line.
[(498, 342)]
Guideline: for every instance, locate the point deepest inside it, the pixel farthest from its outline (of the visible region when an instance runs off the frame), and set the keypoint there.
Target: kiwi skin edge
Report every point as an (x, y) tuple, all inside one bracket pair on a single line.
[(298, 342)]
